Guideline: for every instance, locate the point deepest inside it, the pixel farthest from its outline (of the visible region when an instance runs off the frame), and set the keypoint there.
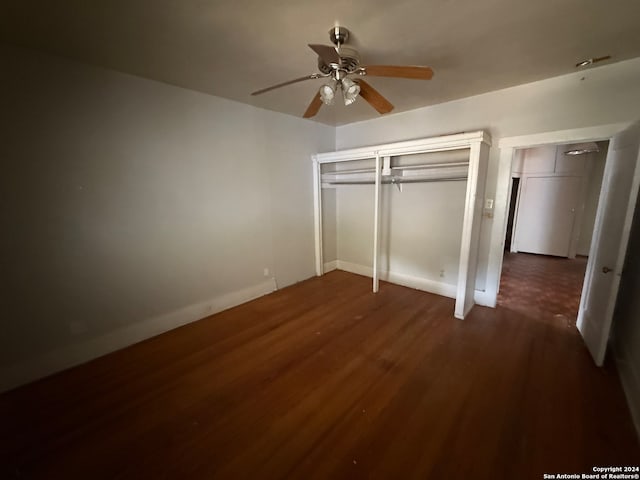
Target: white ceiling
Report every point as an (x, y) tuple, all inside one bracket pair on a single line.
[(230, 48)]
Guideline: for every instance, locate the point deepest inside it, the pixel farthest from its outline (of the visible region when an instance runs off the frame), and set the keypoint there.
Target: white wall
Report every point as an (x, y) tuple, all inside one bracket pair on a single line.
[(289, 144), (354, 224), (607, 95), (329, 236), (130, 207), (596, 172), (413, 220)]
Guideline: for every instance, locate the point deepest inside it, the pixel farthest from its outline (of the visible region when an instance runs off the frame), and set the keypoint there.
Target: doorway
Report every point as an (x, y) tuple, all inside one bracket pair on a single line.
[(620, 186), (554, 197)]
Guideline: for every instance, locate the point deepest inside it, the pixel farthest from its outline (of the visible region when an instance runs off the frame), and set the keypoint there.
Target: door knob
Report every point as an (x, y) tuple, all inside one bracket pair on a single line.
[(606, 269)]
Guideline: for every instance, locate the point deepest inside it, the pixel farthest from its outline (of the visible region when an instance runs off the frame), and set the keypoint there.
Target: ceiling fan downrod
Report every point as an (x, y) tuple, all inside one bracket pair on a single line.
[(339, 35)]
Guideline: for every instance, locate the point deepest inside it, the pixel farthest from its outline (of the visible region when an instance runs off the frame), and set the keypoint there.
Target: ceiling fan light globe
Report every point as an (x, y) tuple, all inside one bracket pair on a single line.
[(350, 91), (353, 91), (327, 94), (582, 148), (349, 100)]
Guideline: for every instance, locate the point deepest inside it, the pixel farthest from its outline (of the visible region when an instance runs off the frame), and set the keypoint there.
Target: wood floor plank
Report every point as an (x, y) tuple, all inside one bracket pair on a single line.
[(326, 380)]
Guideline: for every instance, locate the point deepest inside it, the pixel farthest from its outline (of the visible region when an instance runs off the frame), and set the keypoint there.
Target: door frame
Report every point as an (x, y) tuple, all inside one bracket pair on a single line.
[(508, 147)]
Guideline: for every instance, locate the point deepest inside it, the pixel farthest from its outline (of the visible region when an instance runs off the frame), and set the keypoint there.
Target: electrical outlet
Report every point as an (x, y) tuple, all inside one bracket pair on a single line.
[(266, 272), (442, 273)]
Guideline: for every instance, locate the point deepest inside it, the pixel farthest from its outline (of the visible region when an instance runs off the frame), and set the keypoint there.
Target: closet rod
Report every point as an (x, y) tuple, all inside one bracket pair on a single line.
[(396, 180)]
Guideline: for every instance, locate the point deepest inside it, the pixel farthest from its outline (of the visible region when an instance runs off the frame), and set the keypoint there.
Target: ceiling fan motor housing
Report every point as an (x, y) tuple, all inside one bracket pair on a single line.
[(349, 61)]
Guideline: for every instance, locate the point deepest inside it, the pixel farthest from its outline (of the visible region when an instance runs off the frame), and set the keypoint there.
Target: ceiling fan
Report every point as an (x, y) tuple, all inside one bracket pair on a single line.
[(340, 64)]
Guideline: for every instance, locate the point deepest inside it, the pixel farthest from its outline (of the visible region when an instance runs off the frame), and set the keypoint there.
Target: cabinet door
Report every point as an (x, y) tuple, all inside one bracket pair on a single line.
[(546, 215)]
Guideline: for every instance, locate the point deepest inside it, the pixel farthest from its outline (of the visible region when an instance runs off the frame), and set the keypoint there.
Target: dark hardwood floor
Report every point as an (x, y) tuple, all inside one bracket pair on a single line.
[(326, 380)]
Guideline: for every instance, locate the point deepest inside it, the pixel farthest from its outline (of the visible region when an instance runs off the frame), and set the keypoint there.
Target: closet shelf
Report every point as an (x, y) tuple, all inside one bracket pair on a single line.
[(408, 174), (426, 166), (351, 171)]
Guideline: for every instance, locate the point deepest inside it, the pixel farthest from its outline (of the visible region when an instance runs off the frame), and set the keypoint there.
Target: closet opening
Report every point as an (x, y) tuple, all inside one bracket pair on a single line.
[(406, 212), (550, 225)]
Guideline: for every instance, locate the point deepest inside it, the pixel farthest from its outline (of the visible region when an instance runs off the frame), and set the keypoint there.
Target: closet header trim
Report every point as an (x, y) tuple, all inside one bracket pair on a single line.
[(457, 141)]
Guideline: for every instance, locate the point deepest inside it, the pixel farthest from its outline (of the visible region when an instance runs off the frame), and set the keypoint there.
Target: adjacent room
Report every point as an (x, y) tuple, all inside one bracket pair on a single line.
[(334, 240), (552, 211)]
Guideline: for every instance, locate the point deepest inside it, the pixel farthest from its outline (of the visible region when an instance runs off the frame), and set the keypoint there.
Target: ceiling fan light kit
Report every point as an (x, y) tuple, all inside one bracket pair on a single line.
[(339, 64)]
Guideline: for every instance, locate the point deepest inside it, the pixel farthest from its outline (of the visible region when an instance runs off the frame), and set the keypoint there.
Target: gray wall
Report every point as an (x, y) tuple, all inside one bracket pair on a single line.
[(130, 207)]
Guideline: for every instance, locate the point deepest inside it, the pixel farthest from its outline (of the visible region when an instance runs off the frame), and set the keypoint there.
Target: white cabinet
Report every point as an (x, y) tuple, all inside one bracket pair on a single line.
[(551, 200), (547, 214)]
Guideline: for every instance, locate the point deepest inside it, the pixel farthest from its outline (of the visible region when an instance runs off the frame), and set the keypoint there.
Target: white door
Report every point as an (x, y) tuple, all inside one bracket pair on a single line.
[(546, 215), (611, 234)]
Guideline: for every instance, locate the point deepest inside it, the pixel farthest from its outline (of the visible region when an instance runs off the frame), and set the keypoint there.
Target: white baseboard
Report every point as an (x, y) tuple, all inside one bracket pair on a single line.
[(630, 379), (57, 360), (330, 266), (418, 283), (354, 268), (481, 297)]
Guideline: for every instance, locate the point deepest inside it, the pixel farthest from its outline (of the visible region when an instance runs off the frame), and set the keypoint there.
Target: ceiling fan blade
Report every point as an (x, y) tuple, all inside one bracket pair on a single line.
[(375, 99), (326, 53), (284, 84), (313, 107), (398, 71)]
